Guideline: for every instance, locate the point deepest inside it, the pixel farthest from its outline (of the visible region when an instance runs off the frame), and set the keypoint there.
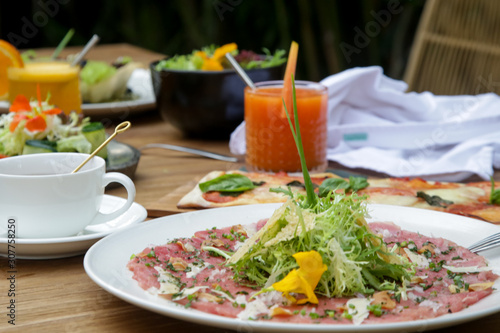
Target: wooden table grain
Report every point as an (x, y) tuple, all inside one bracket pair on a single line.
[(57, 295)]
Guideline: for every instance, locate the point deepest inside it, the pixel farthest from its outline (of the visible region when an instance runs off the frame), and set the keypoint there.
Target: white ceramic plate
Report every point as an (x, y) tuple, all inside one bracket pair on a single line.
[(105, 263), (141, 85), (50, 248)]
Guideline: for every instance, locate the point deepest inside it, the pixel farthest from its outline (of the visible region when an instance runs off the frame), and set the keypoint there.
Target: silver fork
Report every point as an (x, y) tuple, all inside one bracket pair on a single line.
[(191, 151), (486, 243)]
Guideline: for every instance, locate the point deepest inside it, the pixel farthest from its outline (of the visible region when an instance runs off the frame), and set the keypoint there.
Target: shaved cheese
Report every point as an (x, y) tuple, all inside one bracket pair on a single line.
[(459, 195), (358, 309), (263, 193), (379, 182), (222, 294), (188, 291), (288, 231), (431, 304), (396, 200), (195, 270), (294, 226), (417, 259), (253, 309), (252, 240), (168, 283), (260, 305), (468, 269)]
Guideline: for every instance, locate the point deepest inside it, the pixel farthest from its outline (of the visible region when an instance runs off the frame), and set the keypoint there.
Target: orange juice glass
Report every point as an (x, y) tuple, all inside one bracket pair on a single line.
[(58, 79), (270, 145)]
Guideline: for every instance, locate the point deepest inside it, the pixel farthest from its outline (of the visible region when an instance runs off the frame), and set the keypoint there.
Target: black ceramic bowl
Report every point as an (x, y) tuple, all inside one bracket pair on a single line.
[(205, 104)]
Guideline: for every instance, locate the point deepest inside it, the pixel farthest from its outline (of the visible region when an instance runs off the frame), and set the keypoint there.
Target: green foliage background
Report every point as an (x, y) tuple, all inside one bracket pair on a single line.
[(320, 27)]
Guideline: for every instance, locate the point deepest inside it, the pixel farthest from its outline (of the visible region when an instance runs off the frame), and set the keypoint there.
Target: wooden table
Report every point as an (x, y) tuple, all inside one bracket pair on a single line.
[(58, 296)]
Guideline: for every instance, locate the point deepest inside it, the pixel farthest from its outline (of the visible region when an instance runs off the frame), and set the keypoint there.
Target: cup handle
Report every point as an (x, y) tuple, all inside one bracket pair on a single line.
[(129, 186)]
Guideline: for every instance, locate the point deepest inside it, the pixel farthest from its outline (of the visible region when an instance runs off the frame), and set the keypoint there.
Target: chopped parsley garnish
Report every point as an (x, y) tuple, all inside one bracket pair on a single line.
[(376, 309), (436, 267), (313, 315), (426, 286), (427, 254), (330, 313)]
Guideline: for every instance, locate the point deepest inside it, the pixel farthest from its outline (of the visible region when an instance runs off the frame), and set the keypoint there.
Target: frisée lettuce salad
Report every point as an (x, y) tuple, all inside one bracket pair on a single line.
[(319, 245), (38, 127)]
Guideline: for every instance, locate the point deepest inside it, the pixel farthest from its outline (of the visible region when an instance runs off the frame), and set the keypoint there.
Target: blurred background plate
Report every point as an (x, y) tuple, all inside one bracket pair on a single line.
[(140, 86)]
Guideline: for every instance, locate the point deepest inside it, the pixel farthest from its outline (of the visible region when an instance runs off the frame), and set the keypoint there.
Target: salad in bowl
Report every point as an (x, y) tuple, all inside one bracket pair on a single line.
[(212, 58), (202, 95), (36, 126)]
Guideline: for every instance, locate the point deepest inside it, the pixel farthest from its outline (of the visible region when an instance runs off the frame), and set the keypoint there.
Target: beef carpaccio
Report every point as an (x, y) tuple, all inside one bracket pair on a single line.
[(447, 279)]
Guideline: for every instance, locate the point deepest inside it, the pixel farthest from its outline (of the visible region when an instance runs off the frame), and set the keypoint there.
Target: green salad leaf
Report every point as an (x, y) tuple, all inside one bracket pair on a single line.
[(194, 62), (96, 71), (74, 143), (271, 60), (180, 62)]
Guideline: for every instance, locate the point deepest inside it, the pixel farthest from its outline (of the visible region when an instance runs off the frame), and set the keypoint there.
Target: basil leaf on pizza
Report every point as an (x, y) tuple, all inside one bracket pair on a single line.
[(357, 183), (331, 184), (434, 200), (228, 183)]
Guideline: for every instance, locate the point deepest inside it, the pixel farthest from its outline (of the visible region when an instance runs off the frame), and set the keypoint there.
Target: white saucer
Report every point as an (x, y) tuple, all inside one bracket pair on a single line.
[(51, 248)]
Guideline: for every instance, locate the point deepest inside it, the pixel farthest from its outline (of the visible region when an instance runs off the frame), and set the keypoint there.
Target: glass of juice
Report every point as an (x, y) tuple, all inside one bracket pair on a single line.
[(58, 79), (270, 146)]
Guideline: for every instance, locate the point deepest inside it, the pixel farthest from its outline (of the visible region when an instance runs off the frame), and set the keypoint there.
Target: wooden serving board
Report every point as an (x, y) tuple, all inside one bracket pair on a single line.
[(167, 205)]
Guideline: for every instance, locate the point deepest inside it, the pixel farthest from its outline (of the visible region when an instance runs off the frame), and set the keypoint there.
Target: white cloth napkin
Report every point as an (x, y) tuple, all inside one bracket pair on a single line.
[(374, 124)]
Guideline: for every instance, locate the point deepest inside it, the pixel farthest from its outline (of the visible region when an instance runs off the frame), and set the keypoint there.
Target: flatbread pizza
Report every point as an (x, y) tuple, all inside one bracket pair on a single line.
[(474, 200)]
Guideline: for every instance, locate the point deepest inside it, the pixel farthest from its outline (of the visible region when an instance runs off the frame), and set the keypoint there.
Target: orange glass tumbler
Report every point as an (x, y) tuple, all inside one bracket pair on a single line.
[(270, 146), (57, 79)]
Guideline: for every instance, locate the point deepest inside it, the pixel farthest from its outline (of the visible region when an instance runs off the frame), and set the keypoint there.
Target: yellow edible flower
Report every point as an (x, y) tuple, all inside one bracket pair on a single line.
[(221, 51), (303, 280), (214, 63)]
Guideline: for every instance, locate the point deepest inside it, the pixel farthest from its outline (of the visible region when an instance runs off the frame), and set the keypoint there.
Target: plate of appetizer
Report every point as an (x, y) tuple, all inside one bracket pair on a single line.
[(112, 90), (183, 266), (136, 97)]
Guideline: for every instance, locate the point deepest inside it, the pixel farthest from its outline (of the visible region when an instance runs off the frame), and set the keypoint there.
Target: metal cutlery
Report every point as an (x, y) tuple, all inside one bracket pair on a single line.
[(191, 151), (486, 243)]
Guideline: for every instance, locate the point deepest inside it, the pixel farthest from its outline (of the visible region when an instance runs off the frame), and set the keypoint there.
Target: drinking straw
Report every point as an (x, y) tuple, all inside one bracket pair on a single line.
[(63, 43), (86, 49), (240, 71)]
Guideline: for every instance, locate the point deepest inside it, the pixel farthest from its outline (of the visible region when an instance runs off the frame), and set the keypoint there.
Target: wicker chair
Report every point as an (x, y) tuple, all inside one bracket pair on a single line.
[(457, 48)]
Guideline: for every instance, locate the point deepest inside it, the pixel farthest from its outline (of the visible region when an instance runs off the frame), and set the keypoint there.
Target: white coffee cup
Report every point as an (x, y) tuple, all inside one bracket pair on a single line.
[(41, 198)]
